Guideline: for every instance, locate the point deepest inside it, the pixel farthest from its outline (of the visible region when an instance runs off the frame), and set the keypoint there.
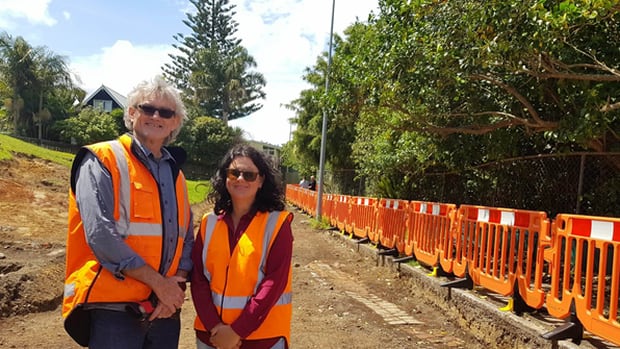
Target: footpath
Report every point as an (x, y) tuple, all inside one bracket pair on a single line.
[(477, 311)]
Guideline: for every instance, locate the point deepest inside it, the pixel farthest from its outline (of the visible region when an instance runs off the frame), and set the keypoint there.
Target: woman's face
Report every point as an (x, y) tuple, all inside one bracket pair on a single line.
[(243, 180)]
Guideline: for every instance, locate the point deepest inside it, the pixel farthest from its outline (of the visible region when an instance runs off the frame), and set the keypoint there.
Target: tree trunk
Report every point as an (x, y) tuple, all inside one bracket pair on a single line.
[(40, 117)]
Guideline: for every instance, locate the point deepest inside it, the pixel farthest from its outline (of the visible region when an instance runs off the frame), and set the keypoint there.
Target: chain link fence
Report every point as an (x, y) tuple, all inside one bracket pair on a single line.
[(580, 183)]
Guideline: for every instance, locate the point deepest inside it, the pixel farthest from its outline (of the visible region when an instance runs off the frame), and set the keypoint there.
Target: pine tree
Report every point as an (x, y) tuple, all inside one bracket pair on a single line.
[(213, 70)]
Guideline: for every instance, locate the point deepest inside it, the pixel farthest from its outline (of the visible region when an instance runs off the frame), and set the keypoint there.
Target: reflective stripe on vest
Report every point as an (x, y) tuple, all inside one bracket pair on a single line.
[(185, 222), (231, 302), (123, 225)]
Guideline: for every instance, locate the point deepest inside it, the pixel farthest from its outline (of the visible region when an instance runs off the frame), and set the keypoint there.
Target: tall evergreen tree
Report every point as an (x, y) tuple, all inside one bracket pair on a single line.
[(213, 70)]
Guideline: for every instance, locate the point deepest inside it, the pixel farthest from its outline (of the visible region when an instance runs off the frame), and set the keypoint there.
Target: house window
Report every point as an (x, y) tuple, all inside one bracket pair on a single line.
[(101, 104)]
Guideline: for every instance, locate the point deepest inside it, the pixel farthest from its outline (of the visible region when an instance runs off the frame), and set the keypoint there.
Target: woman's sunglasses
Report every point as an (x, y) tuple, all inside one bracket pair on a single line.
[(150, 111), (248, 176)]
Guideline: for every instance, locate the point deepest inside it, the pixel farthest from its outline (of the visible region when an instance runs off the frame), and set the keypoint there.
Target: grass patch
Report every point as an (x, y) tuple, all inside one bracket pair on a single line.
[(198, 191), (322, 224), (414, 263), (10, 145), (4, 154)]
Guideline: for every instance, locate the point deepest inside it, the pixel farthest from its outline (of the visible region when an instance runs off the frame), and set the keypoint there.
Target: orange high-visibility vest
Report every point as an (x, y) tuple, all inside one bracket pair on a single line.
[(137, 212), (234, 277)]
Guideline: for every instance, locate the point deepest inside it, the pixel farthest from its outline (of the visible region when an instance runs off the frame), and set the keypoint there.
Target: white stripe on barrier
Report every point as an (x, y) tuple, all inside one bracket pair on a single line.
[(483, 215), (508, 218), (602, 230), (423, 208), (436, 210)]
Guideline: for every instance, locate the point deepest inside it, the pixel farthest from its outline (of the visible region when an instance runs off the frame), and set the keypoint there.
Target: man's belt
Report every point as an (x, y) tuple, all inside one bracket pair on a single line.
[(141, 310)]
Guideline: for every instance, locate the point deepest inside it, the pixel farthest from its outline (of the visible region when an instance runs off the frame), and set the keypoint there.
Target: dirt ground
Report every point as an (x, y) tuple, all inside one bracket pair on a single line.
[(342, 298)]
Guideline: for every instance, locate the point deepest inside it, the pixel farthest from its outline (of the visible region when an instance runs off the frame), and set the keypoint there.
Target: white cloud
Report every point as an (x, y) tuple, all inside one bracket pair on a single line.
[(34, 11), (283, 36), (121, 66)]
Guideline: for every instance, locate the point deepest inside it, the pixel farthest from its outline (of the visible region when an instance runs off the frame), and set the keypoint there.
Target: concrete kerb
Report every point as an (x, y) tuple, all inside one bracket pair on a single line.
[(473, 310)]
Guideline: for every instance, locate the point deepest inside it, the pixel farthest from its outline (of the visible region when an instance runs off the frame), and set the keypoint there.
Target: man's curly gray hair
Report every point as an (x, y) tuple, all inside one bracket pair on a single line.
[(157, 88)]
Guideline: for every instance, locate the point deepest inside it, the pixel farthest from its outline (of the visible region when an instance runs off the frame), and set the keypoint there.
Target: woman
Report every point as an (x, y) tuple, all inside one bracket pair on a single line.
[(241, 280)]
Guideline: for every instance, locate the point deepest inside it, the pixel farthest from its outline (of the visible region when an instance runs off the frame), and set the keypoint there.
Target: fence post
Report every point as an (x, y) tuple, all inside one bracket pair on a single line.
[(582, 166)]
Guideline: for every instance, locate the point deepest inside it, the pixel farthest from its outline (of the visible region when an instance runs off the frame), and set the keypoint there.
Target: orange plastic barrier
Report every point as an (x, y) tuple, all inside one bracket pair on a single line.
[(327, 207), (363, 215), (342, 210), (288, 192), (304, 199), (501, 246), (300, 197), (292, 194), (501, 249), (428, 227), (310, 199), (333, 216), (391, 222), (584, 263)]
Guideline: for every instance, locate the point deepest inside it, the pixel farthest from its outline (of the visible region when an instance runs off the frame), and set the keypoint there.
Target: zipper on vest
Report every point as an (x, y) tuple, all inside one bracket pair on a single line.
[(224, 292)]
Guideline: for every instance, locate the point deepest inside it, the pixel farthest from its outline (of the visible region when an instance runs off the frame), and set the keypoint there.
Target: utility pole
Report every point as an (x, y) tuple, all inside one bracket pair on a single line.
[(319, 196)]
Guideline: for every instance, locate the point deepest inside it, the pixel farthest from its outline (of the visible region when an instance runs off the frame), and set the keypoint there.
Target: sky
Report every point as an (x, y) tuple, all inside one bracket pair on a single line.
[(119, 43)]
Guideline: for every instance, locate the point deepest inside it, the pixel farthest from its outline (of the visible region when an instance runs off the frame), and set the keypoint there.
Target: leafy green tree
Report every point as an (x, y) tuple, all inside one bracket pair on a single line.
[(213, 70), (475, 68), (206, 140), (35, 80), (90, 126), (62, 102), (17, 70), (435, 86)]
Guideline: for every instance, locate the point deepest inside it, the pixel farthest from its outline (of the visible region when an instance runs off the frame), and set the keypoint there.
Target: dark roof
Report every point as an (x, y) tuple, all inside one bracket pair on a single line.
[(117, 97)]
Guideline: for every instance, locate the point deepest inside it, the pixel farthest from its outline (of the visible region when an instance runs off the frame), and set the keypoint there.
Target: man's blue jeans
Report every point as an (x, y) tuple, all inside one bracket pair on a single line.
[(122, 330)]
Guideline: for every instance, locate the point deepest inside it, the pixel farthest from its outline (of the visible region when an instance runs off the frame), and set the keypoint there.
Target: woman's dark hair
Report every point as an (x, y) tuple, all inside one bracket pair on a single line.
[(270, 197)]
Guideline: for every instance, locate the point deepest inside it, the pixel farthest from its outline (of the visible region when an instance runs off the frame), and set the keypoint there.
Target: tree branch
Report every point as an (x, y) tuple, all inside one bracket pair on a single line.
[(610, 107), (511, 90)]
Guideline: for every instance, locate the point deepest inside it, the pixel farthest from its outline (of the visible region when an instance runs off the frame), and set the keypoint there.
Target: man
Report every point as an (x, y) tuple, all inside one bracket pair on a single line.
[(312, 184), (304, 183), (130, 231)]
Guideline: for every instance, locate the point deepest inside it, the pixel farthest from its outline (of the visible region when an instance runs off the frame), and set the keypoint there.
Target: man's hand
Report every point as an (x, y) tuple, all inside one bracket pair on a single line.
[(169, 294), (162, 312)]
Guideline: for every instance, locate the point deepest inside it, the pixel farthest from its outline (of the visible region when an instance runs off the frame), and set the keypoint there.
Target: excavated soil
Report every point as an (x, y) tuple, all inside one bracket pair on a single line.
[(344, 295)]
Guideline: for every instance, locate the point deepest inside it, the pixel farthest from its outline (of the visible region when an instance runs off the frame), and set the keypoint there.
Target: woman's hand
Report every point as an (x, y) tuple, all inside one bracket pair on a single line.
[(224, 337)]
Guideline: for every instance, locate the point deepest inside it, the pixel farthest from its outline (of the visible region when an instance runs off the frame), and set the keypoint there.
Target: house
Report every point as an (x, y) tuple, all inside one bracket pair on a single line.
[(272, 151), (105, 99)]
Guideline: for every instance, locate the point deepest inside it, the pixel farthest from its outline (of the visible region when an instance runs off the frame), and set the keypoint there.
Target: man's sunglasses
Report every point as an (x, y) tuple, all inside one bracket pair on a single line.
[(248, 176), (150, 111)]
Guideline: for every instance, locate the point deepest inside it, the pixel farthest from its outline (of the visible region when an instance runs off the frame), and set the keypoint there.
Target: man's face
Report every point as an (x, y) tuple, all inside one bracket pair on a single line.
[(154, 119)]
